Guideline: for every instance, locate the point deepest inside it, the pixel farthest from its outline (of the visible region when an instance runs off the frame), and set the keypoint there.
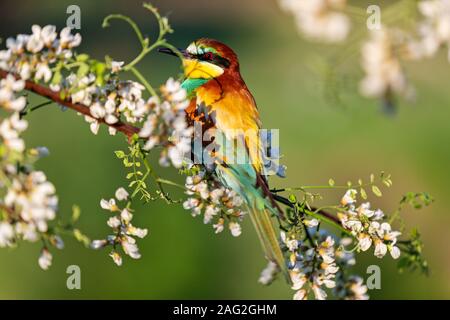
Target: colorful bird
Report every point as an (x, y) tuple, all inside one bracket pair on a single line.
[(220, 99)]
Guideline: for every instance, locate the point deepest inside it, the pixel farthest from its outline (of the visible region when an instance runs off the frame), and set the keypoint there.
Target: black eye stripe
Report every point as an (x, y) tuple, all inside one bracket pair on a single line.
[(211, 57)]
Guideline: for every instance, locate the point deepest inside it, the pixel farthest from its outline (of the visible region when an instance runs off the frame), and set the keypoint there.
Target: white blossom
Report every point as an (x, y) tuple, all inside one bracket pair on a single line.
[(434, 28), (268, 274), (319, 19), (311, 267), (121, 194), (368, 226), (8, 87), (383, 70), (45, 259), (167, 122), (6, 234), (123, 231), (109, 204), (116, 258), (235, 229), (116, 66), (43, 72)]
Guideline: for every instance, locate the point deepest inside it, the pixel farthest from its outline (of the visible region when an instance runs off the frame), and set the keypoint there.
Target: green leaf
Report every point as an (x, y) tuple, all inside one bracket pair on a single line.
[(82, 70), (119, 154), (387, 182), (130, 175), (76, 212), (376, 191), (108, 60), (331, 182), (127, 163), (57, 77), (292, 198), (82, 57), (363, 193), (81, 237)]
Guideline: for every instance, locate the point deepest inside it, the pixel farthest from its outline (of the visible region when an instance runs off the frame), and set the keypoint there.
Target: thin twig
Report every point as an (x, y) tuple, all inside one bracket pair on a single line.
[(25, 111), (316, 211)]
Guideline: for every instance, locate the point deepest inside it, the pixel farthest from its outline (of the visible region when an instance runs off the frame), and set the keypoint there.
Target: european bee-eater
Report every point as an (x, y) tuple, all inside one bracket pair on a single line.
[(220, 99)]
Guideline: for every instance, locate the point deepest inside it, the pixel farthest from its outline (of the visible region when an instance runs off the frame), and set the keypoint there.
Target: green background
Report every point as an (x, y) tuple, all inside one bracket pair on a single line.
[(320, 138)]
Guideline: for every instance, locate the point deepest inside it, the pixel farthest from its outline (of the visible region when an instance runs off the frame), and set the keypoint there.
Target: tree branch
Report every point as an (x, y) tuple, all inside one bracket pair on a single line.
[(120, 126)]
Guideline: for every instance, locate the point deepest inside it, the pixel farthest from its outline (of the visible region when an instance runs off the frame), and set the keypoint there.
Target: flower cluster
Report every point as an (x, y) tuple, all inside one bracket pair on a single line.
[(31, 55), (166, 125), (109, 102), (311, 267), (123, 231), (217, 203), (388, 43), (317, 265), (434, 29), (384, 74), (42, 56), (368, 226), (348, 287), (28, 201), (319, 19), (28, 206)]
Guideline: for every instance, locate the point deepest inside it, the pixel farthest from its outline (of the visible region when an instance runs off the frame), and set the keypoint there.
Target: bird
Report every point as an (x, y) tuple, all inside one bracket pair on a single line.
[(220, 99)]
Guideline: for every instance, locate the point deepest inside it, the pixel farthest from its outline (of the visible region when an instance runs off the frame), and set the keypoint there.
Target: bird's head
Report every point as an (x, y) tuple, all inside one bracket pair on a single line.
[(206, 59)]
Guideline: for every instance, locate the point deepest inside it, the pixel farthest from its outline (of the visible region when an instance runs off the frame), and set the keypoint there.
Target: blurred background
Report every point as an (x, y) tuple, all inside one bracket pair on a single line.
[(320, 138)]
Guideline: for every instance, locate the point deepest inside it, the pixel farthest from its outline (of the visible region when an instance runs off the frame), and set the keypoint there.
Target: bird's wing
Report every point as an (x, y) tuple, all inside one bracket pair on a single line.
[(234, 113)]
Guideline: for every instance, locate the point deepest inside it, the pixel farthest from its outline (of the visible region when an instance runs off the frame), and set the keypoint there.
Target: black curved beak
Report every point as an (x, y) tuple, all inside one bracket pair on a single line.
[(173, 53)]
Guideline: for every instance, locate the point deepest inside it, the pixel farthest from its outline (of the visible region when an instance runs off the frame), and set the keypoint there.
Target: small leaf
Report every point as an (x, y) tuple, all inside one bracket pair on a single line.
[(82, 57), (376, 191), (372, 178), (81, 237), (57, 77), (76, 212), (292, 198), (130, 175), (82, 70), (119, 154), (363, 193), (387, 182), (331, 182)]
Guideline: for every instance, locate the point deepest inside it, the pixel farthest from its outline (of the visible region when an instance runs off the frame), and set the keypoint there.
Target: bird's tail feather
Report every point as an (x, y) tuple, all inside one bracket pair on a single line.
[(261, 219), (260, 207)]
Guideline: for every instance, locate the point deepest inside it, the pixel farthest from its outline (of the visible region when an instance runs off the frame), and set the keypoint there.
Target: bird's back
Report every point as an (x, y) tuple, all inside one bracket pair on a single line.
[(232, 109)]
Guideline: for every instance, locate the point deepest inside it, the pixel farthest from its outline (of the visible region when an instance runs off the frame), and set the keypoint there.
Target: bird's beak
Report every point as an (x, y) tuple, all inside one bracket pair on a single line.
[(183, 52)]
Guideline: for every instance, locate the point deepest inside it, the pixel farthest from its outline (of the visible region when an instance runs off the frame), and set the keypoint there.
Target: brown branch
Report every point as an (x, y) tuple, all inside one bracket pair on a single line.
[(120, 126)]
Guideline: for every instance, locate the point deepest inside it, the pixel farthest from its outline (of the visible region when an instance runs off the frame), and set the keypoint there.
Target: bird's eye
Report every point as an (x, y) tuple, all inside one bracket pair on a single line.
[(208, 56)]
